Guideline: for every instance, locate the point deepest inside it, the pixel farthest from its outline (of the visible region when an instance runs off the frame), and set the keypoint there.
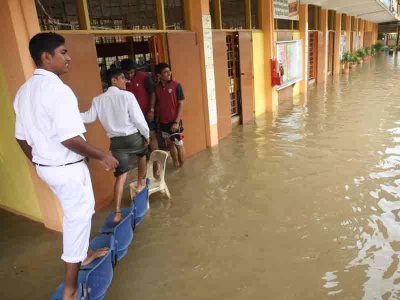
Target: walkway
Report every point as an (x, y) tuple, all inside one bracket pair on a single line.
[(300, 205)]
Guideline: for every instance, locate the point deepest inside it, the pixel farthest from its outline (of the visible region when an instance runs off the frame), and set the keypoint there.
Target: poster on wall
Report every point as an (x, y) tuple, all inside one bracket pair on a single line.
[(289, 55), (287, 9)]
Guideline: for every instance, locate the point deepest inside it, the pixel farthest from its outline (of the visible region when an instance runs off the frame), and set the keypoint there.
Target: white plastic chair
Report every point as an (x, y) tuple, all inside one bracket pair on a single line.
[(155, 185)]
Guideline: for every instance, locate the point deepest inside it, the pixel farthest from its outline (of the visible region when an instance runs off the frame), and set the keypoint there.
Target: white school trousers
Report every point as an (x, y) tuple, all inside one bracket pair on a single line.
[(73, 187)]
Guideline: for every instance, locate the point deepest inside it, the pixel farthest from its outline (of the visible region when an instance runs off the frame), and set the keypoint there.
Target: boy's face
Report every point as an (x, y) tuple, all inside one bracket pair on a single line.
[(165, 74), (57, 63), (129, 74), (119, 82)]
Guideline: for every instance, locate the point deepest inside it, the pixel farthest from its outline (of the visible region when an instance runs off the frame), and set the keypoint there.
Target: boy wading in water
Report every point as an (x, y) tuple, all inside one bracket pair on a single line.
[(170, 110), (123, 120)]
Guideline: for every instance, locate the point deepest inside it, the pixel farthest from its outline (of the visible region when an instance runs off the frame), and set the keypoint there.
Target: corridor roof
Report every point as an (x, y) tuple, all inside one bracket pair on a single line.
[(371, 10)]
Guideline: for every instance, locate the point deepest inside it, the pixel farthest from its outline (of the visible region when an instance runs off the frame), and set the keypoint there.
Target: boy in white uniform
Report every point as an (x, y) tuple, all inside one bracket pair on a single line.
[(122, 118), (50, 131)]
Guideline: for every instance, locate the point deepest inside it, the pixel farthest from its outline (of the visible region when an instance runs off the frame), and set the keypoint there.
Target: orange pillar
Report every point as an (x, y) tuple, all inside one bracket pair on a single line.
[(303, 24), (323, 48), (19, 20), (200, 22), (361, 33), (338, 34), (267, 25)]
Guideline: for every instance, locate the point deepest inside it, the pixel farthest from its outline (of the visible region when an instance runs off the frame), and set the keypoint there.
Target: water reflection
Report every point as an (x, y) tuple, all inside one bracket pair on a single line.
[(374, 231)]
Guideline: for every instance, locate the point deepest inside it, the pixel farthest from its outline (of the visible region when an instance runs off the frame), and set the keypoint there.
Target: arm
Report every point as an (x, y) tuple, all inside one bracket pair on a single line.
[(90, 116), (137, 118), (180, 97), (180, 111), (151, 90), (25, 148), (69, 129), (79, 145)]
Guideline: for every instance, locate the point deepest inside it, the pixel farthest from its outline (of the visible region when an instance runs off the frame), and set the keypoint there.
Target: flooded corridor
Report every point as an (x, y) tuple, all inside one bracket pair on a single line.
[(303, 204)]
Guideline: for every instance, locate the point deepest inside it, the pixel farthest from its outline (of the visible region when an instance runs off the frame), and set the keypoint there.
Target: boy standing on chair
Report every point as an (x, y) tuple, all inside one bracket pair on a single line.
[(122, 118), (170, 110), (49, 131)]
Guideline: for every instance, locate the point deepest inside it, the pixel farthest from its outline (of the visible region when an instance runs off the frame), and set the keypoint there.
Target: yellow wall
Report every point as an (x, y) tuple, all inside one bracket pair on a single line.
[(260, 96), (17, 192)]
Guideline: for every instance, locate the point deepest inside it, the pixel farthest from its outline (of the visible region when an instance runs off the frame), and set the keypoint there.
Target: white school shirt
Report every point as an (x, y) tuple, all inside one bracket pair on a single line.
[(119, 113), (47, 114)]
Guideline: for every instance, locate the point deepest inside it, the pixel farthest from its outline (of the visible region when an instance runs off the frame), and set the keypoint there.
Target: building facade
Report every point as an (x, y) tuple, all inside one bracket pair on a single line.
[(226, 54)]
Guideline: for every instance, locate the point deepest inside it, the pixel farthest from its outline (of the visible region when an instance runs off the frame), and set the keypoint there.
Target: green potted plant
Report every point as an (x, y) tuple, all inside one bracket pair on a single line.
[(367, 52), (378, 47), (361, 55), (373, 50), (345, 61), (353, 62)]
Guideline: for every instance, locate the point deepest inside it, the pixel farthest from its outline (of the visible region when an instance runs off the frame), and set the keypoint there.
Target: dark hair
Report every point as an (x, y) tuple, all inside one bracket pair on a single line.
[(44, 42), (113, 73), (127, 65), (161, 66)]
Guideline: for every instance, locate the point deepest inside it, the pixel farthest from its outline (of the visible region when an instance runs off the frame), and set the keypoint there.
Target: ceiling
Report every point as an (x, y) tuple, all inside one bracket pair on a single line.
[(371, 10)]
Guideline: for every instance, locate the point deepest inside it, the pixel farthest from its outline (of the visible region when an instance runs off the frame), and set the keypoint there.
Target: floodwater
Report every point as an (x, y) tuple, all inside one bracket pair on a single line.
[(302, 204)]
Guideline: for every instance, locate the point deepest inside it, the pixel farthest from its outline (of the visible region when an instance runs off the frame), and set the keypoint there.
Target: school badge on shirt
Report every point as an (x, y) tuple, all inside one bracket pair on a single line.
[(170, 91)]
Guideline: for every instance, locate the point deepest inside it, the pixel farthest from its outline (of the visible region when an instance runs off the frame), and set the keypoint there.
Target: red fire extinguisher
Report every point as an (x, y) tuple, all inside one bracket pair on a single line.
[(277, 72)]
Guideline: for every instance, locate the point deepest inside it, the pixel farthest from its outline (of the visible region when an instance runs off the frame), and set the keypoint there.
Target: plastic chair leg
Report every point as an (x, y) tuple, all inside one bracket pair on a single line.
[(167, 192)]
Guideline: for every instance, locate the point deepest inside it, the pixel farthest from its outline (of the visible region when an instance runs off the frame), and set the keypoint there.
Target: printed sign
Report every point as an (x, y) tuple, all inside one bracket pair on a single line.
[(287, 9)]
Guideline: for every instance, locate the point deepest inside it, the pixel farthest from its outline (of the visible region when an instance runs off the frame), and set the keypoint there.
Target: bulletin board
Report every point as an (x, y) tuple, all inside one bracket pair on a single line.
[(289, 54)]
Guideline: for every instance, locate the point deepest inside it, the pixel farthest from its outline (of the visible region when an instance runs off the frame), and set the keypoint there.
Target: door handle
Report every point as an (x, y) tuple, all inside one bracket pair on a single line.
[(242, 74)]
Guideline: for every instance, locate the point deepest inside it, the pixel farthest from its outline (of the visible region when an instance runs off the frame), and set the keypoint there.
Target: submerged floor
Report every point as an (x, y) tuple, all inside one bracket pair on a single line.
[(303, 204)]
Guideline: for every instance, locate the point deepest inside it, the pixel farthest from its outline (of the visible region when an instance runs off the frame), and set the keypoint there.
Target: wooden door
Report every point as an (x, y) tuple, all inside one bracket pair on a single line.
[(246, 79), (312, 55), (156, 49), (186, 68), (232, 59), (331, 49), (222, 84)]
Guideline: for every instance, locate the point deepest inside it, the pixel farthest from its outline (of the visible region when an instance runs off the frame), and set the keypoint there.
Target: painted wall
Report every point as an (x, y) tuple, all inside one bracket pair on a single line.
[(260, 95), (194, 112), (222, 85), (84, 79), (34, 200), (17, 192)]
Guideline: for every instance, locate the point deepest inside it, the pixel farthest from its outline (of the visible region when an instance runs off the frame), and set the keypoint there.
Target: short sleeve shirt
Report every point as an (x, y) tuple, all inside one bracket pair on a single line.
[(47, 114), (168, 97)]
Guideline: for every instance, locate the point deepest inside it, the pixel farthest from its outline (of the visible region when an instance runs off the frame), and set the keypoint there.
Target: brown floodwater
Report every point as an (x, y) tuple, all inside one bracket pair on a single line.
[(300, 204)]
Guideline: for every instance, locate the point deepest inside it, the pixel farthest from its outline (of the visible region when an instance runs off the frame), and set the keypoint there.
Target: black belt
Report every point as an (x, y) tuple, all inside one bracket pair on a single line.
[(40, 165)]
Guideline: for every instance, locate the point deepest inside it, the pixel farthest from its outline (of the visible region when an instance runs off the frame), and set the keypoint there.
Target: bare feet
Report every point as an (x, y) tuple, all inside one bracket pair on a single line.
[(70, 294), (117, 217), (92, 255), (139, 188)]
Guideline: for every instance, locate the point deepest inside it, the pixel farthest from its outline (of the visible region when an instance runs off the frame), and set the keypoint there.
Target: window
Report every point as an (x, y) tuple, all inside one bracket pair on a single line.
[(174, 14), (212, 13), (122, 14), (344, 22), (331, 20), (57, 14), (255, 23), (233, 14)]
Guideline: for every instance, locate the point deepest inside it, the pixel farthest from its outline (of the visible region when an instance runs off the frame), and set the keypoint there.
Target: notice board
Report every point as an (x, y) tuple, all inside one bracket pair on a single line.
[(289, 55)]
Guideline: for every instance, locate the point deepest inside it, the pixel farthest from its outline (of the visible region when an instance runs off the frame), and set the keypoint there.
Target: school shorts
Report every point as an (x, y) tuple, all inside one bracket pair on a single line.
[(123, 147), (73, 187), (166, 132)]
